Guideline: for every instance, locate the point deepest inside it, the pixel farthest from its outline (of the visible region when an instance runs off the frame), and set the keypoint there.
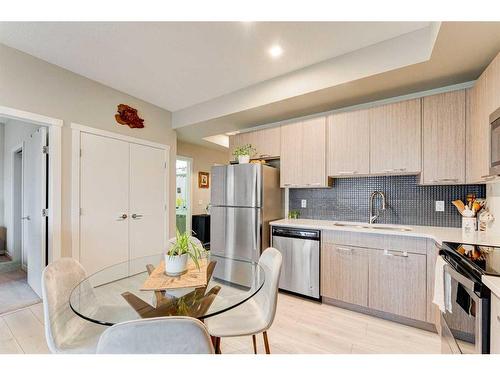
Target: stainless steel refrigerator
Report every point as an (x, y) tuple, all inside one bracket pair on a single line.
[(244, 199)]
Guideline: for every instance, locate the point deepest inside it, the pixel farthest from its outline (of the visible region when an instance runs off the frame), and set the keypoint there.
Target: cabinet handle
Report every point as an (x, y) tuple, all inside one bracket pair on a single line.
[(498, 318), (401, 255), (122, 217), (344, 249), (489, 177), (348, 172), (395, 170), (137, 216), (446, 180)]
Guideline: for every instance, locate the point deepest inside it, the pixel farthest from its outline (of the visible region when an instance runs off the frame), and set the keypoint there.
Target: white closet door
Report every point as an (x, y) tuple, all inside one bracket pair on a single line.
[(148, 219), (104, 201), (34, 200)]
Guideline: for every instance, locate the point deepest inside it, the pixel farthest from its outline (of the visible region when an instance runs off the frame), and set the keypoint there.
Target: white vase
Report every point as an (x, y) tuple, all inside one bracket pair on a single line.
[(175, 265), (243, 159)]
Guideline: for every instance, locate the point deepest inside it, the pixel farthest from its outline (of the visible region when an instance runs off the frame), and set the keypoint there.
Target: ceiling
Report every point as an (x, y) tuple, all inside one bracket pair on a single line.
[(175, 65), (462, 50), (218, 77)]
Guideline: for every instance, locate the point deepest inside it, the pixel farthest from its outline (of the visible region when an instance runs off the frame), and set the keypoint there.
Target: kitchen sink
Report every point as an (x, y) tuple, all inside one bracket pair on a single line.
[(367, 226)]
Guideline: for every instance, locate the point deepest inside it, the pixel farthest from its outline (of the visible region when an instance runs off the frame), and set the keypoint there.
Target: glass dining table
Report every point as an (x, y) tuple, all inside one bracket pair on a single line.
[(115, 294)]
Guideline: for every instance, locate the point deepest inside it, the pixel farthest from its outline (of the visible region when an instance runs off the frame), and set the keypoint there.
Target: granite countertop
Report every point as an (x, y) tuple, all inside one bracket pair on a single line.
[(493, 283), (438, 234)]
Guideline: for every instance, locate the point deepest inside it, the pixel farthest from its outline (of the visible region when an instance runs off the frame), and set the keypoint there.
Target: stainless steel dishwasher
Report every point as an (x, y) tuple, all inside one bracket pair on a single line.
[(300, 268)]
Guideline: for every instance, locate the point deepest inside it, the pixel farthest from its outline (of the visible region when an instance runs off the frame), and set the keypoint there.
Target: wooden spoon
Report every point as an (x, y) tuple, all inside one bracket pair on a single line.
[(459, 205)]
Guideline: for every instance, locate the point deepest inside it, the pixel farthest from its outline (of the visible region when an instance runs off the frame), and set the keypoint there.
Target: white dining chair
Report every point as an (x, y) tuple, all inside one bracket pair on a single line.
[(255, 315), (166, 335), (66, 332)]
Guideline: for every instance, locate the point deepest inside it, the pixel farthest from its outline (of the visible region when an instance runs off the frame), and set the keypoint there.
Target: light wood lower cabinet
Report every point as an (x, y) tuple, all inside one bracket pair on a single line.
[(495, 325), (344, 273), (397, 283), (382, 274)]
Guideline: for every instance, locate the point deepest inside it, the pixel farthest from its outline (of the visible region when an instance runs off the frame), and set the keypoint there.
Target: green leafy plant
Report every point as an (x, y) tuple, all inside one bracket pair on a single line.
[(244, 150), (185, 245), (294, 214)]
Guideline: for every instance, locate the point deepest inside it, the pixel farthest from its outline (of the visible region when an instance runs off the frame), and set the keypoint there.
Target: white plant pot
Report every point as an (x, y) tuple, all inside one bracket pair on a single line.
[(244, 159), (175, 265)]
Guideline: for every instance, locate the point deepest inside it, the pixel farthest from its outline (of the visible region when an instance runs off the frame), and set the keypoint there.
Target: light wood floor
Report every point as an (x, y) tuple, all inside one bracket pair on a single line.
[(300, 327)]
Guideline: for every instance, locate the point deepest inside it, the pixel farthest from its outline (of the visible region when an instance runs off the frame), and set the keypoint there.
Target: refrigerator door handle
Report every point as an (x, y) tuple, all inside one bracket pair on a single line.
[(256, 231)]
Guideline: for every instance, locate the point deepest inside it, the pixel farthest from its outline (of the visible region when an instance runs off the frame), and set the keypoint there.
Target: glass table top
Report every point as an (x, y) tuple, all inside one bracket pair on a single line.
[(113, 295)]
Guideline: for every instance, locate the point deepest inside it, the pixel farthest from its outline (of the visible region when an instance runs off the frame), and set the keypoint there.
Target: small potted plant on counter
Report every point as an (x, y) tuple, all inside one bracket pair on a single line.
[(179, 252), (243, 153)]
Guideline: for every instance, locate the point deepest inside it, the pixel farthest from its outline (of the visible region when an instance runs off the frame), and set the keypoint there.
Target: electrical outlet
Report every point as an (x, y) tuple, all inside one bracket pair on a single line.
[(440, 206), (303, 203)]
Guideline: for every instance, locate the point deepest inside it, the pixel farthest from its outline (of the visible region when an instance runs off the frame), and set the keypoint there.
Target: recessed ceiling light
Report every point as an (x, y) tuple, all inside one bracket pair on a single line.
[(276, 51)]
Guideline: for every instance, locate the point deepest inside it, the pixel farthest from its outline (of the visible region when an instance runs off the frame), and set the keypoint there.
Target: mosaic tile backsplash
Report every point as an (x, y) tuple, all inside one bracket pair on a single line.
[(406, 201)]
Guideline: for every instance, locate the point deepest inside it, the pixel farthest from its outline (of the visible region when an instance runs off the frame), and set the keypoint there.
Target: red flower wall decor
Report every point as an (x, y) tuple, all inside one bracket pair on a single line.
[(128, 116)]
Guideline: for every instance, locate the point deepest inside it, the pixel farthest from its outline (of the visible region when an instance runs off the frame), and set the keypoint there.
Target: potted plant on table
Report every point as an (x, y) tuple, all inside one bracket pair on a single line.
[(179, 252), (243, 153)]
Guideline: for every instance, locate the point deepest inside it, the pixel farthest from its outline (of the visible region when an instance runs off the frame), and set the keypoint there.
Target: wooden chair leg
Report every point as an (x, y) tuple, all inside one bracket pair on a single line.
[(266, 342), (254, 340), (217, 346)]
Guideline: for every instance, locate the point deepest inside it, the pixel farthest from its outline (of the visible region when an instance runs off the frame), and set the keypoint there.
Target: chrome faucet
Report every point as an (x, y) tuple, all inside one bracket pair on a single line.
[(372, 197)]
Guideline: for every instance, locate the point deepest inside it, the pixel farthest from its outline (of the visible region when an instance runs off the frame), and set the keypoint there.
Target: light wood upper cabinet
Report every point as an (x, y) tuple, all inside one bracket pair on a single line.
[(397, 283), (303, 154), (484, 98), (395, 138), (267, 142), (443, 127), (291, 156), (344, 273), (348, 144)]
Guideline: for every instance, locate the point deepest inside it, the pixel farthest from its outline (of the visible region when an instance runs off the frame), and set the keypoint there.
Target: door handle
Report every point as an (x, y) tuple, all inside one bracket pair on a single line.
[(137, 216), (122, 217), (26, 218)]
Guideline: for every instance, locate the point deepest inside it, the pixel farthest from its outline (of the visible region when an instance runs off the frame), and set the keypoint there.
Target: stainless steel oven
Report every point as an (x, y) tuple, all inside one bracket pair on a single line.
[(495, 143), (465, 323)]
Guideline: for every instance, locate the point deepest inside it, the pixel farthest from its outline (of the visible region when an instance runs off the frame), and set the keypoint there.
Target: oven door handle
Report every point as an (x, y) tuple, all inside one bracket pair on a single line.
[(468, 284)]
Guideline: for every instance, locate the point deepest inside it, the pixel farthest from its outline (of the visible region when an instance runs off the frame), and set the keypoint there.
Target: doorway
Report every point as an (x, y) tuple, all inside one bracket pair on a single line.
[(30, 146), (25, 193), (183, 173)]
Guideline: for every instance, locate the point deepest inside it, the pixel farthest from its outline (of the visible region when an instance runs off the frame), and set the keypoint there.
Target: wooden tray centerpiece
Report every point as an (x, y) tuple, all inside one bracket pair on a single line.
[(158, 280)]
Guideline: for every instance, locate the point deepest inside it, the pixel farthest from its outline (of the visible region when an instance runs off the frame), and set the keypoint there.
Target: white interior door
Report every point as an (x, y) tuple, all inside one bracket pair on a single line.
[(148, 216), (104, 202), (34, 200)]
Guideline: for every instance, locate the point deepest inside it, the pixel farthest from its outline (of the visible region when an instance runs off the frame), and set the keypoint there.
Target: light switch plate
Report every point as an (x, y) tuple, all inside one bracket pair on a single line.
[(303, 203), (440, 206)]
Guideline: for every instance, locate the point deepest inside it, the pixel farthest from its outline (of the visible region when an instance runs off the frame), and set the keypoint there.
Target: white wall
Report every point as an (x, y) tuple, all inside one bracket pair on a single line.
[(15, 133), (493, 199), (33, 85)]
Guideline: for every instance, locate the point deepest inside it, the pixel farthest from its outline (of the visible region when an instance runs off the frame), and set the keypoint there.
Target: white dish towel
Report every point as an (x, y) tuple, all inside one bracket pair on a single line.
[(442, 286)]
